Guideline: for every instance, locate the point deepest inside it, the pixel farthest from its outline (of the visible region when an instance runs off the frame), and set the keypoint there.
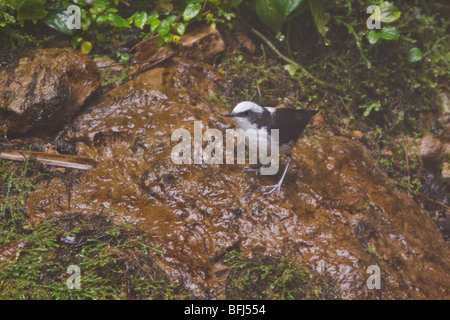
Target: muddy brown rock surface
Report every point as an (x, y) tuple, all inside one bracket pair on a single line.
[(46, 89), (338, 213)]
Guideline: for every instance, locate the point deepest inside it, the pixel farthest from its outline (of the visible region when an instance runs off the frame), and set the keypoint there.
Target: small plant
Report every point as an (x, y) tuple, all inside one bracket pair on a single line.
[(115, 260), (386, 12), (368, 108), (14, 188), (274, 278)]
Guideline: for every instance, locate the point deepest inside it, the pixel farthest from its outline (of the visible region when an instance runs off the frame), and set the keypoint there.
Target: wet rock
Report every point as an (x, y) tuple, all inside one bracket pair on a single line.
[(201, 44), (338, 213), (318, 121), (358, 134), (246, 43), (430, 148), (110, 70), (46, 89)]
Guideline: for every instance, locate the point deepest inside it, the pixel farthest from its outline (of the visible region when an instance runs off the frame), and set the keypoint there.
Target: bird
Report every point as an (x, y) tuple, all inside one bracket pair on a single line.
[(289, 121)]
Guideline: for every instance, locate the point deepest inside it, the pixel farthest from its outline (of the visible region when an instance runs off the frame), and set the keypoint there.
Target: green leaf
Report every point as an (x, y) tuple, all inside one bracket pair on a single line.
[(271, 12), (57, 20), (152, 17), (291, 5), (131, 19), (319, 16), (171, 19), (415, 55), (388, 12), (124, 58), (76, 41), (160, 41), (181, 28), (191, 11), (389, 33), (86, 47), (29, 9), (140, 20), (274, 12), (101, 20), (376, 106), (85, 20), (101, 5), (154, 24), (164, 28), (373, 36), (117, 21)]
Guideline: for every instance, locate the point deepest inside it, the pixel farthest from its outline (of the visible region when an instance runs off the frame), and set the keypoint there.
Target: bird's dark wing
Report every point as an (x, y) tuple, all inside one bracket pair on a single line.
[(290, 122)]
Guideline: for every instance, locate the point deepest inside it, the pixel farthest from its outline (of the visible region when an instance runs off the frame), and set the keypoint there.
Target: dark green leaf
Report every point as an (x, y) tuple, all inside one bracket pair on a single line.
[(57, 20), (29, 9), (76, 41), (164, 28), (117, 21), (171, 19), (291, 5), (373, 36), (101, 5), (85, 20), (271, 13), (191, 11), (389, 33), (319, 16), (415, 55)]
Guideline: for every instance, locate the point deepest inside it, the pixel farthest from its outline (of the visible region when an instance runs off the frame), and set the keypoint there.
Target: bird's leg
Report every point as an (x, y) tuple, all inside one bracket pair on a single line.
[(257, 170), (278, 185)]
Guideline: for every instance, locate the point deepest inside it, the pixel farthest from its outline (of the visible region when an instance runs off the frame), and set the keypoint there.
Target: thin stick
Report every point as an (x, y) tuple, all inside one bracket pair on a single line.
[(59, 160), (153, 64), (288, 60)]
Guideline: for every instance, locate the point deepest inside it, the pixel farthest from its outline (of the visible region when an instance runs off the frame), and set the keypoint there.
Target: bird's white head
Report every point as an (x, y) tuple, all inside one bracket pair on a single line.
[(245, 112)]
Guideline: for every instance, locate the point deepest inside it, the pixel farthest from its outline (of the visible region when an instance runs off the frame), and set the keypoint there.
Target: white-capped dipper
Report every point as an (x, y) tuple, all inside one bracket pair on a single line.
[(290, 122)]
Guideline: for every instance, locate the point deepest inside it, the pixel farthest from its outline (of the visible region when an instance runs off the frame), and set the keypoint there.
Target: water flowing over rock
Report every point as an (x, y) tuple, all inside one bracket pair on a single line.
[(338, 213), (46, 89)]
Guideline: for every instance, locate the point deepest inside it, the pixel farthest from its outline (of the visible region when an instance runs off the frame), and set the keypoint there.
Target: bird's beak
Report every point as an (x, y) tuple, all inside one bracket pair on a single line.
[(229, 115)]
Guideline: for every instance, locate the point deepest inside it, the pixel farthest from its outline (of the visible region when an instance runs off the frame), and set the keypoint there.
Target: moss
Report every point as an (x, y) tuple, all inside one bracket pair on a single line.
[(274, 278), (115, 259)]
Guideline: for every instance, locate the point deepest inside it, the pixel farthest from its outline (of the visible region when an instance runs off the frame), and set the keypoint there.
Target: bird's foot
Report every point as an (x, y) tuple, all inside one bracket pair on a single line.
[(276, 188), (248, 169)]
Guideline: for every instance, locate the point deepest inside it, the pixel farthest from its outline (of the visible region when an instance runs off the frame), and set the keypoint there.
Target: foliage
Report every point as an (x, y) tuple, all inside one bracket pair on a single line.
[(270, 278), (386, 12), (14, 187), (102, 20), (115, 259)]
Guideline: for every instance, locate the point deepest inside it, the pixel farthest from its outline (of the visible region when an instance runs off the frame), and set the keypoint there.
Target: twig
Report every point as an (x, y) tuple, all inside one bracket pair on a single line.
[(143, 41), (59, 160), (153, 64), (207, 103), (434, 201), (290, 61)]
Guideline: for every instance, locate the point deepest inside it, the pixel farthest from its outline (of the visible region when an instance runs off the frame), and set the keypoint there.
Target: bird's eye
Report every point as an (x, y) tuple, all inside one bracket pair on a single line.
[(246, 113)]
